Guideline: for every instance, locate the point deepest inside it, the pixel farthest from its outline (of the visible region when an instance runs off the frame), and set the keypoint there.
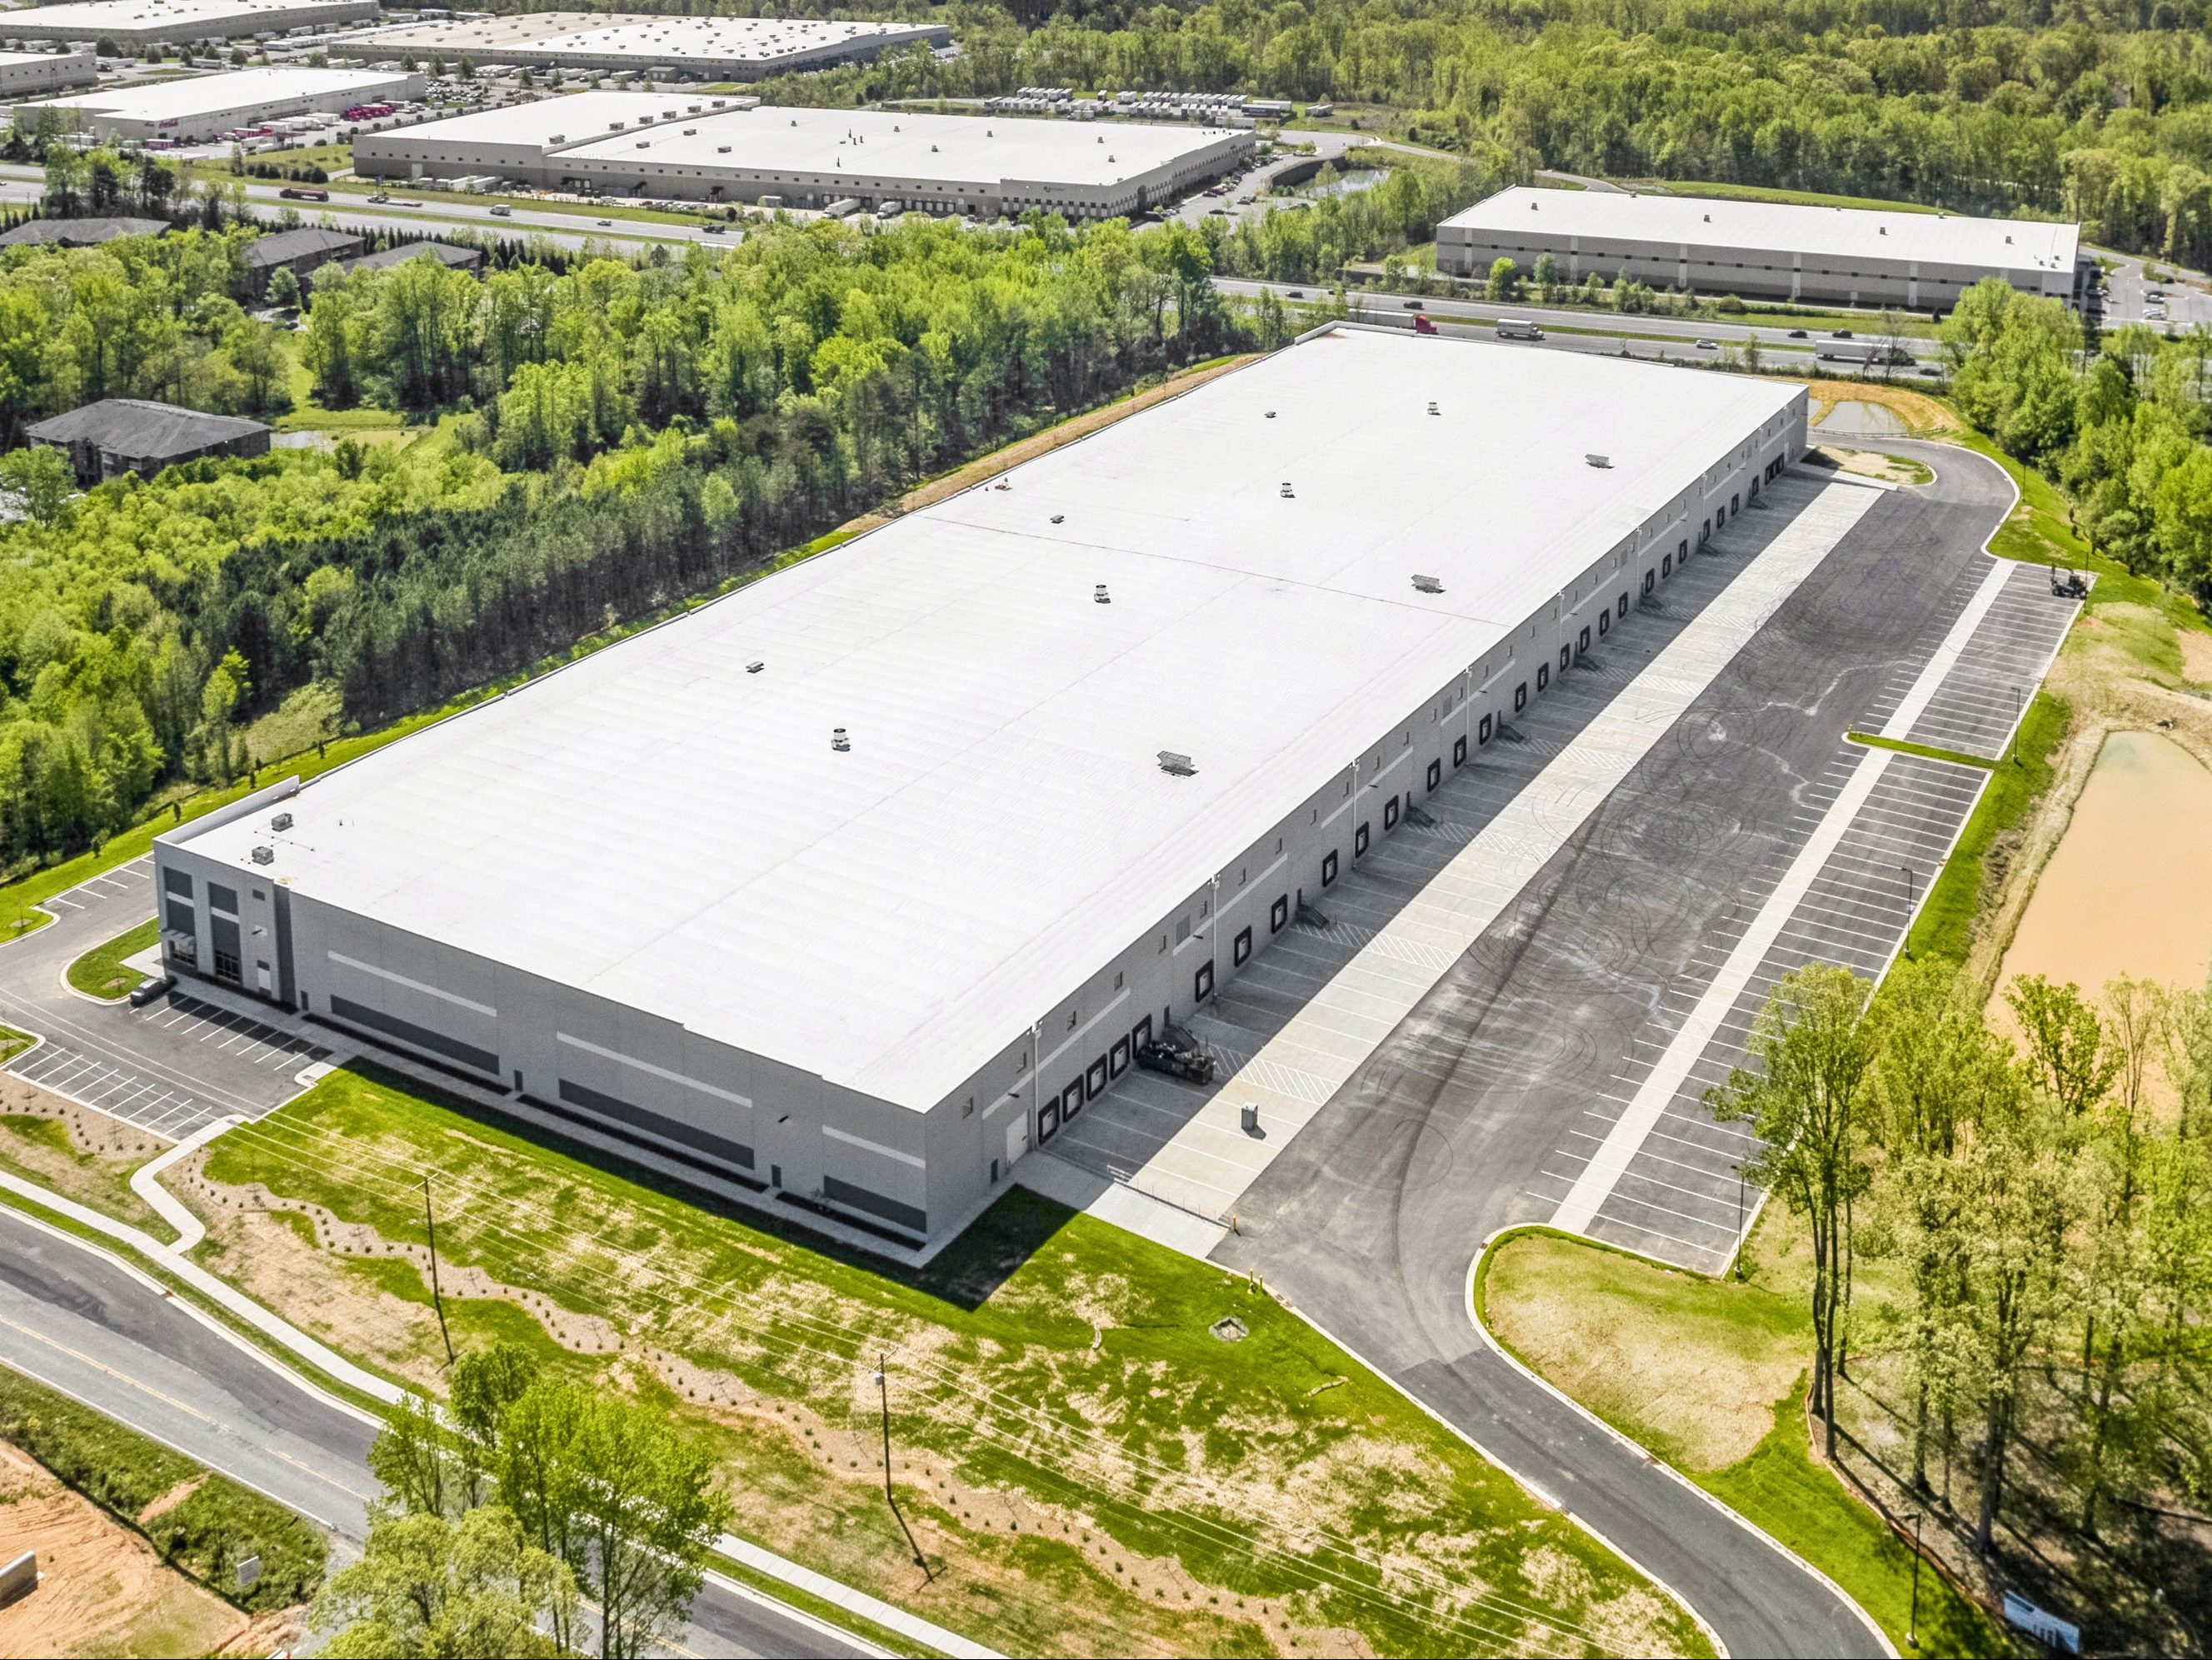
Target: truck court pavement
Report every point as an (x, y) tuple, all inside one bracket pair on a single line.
[(1622, 981)]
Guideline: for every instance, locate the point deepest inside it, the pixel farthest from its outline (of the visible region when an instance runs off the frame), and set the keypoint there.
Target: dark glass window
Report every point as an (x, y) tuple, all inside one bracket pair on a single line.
[(175, 881), (1435, 774), (1278, 913), (1329, 867), (1359, 841), (1201, 983), (1241, 952), (1482, 732), (1459, 752), (223, 898), (1543, 675), (1520, 697), (1390, 813)]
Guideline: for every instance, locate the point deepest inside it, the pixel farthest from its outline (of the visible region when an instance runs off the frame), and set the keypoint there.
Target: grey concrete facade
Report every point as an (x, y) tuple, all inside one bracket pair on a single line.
[(794, 1135)]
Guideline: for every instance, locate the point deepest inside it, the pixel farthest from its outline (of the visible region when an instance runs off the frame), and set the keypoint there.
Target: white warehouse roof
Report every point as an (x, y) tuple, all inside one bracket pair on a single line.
[(190, 96), (678, 42), (660, 827), (1929, 238), (177, 20), (548, 124), (847, 149)]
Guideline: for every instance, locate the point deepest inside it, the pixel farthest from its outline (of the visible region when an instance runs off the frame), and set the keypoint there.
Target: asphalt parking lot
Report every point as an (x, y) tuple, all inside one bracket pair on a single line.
[(170, 1068)]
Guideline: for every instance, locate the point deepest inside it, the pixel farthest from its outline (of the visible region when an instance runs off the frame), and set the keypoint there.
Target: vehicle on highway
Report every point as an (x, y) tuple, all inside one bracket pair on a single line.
[(714, 230), (603, 221), (380, 197), (160, 985), (502, 211), (1410, 304), (1865, 352), (1422, 326), (295, 193), (1298, 294), (1840, 334), (1705, 345), (1518, 328), (1797, 333)]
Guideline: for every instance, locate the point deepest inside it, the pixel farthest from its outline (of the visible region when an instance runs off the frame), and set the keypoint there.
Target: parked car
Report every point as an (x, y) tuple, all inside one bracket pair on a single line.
[(153, 986)]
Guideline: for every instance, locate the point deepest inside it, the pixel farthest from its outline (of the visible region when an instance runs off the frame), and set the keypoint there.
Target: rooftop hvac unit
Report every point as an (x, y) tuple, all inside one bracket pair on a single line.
[(754, 667), (1181, 765), (838, 740), (1100, 597), (1429, 584), (264, 856), (281, 822), (1599, 461)]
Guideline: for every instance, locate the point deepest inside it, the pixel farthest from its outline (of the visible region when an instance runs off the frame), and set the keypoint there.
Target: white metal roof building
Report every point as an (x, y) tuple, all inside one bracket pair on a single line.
[(711, 48), (981, 166), (650, 892), (514, 140), (141, 22), (1762, 250), (196, 108), (25, 74)]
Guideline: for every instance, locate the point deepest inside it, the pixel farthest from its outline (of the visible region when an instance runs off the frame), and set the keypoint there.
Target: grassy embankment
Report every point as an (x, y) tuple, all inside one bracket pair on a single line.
[(215, 1526), (1710, 1375), (1088, 1466)]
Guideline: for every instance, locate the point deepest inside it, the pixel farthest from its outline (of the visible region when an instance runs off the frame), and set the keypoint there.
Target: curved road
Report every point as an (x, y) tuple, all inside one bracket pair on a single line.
[(75, 1318), (1372, 1220)]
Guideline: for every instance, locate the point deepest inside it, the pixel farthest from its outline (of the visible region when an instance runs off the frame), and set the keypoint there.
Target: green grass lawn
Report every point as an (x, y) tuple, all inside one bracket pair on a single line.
[(100, 972), (1695, 1368), (1946, 924), (1044, 1353), (1956, 757)]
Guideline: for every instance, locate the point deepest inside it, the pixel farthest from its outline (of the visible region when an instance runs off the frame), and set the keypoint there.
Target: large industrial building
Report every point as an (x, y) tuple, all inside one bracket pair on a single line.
[(596, 43), (198, 108), (1763, 250), (517, 140), (32, 74), (135, 23), (982, 167), (857, 884)]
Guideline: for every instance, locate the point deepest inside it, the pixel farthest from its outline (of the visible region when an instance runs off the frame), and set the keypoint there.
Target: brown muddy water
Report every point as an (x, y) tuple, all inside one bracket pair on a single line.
[(2128, 890)]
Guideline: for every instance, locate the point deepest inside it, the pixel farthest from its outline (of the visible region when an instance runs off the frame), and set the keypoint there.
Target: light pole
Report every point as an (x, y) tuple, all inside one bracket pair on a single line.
[(2015, 725), (1912, 1619), (1910, 901)]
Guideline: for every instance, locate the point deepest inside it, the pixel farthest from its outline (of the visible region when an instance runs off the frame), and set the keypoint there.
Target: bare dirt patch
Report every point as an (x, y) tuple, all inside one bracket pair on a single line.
[(1872, 463), (101, 1590), (80, 1154), (1923, 415), (2195, 656)]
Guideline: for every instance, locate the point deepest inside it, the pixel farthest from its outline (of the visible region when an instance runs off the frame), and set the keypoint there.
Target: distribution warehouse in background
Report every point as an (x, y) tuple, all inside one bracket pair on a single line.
[(143, 22), (805, 158), (710, 48), (856, 884), (32, 74), (195, 109), (1763, 250)]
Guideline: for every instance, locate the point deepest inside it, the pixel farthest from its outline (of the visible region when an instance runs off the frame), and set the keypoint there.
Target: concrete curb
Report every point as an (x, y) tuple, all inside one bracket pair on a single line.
[(1643, 1452)]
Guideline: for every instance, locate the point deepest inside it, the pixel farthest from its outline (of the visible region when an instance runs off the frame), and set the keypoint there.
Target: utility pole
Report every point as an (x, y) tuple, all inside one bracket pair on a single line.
[(437, 1299), (883, 1395)]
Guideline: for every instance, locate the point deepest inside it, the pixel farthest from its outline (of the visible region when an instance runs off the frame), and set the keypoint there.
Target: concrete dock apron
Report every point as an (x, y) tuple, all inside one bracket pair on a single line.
[(1368, 1218)]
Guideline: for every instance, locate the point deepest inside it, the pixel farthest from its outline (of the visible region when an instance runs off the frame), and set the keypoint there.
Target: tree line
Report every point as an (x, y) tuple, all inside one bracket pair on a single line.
[(610, 438), (2122, 425), (2035, 1212)]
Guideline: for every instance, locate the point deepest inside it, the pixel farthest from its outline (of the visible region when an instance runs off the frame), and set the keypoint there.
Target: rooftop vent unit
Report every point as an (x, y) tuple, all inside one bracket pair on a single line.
[(282, 821), (264, 856), (690, 132), (1428, 584), (721, 150), (1181, 765), (1599, 461), (1099, 596), (1432, 407), (1289, 494), (754, 668), (838, 740), (1271, 415)]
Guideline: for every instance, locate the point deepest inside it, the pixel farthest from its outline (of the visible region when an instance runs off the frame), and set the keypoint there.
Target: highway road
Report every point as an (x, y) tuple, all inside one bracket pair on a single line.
[(79, 1321), (1605, 333)]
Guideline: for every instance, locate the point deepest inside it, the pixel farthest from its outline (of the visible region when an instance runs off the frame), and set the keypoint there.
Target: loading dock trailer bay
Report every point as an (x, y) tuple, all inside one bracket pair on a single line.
[(1763, 250), (853, 886)]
